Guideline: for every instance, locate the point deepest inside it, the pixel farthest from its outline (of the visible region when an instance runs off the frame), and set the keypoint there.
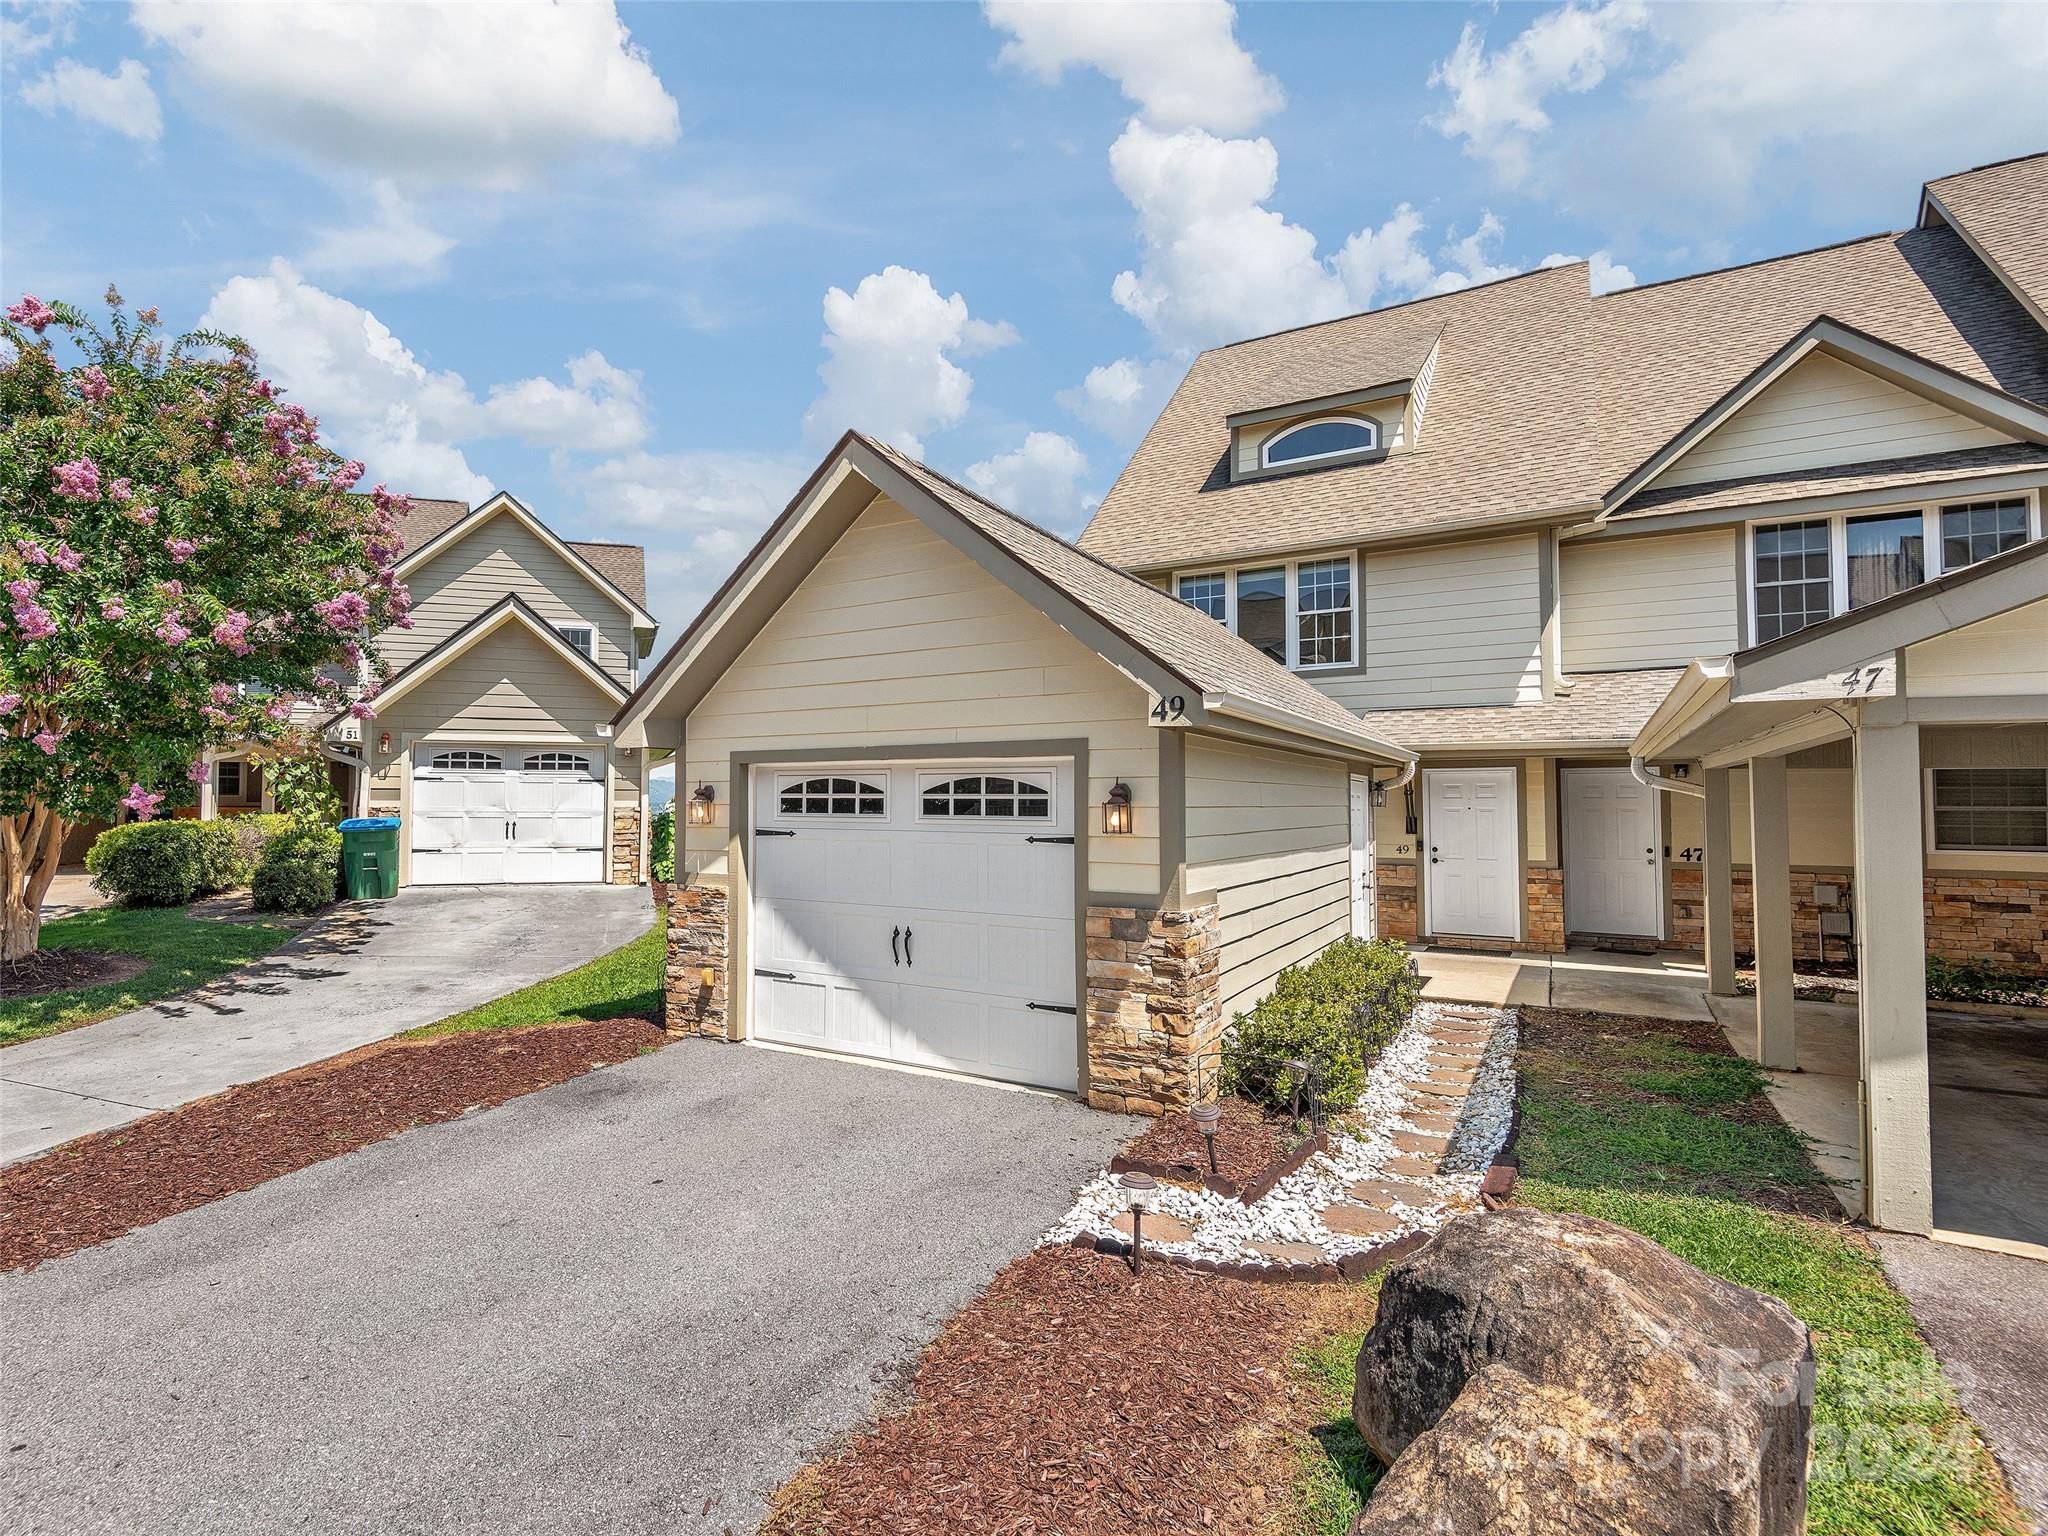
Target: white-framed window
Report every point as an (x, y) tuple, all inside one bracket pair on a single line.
[(1325, 437), (581, 636), (1806, 570), (228, 780), (1302, 613), (829, 794), (1990, 810), (557, 762), (1021, 796), (468, 760)]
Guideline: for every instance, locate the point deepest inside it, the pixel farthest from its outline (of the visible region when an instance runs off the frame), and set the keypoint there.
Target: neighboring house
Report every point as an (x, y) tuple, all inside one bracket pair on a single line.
[(491, 740), (1369, 637)]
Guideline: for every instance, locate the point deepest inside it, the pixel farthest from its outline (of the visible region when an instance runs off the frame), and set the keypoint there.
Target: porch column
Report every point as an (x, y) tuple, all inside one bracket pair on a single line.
[(1717, 881), (1770, 874), (209, 793), (1891, 993)]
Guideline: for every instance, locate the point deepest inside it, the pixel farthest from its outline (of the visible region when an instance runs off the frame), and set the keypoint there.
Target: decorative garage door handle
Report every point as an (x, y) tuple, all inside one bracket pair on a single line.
[(1048, 839), (895, 937), (772, 832), (906, 948), (1050, 1008), (776, 975)]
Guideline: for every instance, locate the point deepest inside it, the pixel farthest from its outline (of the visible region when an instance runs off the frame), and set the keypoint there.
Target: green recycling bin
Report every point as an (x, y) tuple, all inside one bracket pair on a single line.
[(369, 857)]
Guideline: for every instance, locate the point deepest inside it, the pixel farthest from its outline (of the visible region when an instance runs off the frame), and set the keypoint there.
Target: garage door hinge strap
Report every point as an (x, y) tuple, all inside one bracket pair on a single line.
[(1048, 839), (1050, 1008), (772, 832), (775, 975)]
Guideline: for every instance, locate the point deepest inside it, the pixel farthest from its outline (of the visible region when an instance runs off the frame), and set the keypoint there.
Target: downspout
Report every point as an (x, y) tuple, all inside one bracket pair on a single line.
[(1400, 780), (1663, 786)]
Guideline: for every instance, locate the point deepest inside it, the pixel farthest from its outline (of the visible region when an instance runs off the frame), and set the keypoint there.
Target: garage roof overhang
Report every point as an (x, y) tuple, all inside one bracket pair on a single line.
[(838, 491), (1812, 685)]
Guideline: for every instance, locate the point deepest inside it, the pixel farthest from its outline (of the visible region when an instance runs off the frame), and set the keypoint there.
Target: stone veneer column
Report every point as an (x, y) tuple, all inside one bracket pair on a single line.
[(625, 862), (1545, 898), (697, 947), (1152, 1012)]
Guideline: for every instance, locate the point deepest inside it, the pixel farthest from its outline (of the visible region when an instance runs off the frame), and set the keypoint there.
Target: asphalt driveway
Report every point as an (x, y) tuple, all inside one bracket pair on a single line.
[(632, 1302), (364, 972)]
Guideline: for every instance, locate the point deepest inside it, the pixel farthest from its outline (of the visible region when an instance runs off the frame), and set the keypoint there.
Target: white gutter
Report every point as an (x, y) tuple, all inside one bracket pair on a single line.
[(1660, 784), (1234, 706)]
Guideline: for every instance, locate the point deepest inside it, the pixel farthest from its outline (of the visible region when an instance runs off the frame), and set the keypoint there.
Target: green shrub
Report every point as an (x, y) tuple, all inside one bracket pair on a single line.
[(300, 870), (167, 863), (661, 851), (252, 832), (1972, 981), (1338, 1012)]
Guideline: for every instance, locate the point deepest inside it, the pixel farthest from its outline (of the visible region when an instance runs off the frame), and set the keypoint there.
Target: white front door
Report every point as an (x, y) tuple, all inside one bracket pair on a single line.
[(1611, 858), (492, 815), (1470, 838), (919, 912), (1364, 875)]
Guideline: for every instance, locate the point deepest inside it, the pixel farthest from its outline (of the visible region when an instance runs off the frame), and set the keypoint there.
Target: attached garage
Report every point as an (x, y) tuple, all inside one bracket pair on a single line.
[(954, 800), (487, 815)]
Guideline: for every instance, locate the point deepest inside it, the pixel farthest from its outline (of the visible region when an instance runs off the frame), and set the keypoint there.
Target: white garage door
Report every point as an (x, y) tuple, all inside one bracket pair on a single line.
[(508, 816), (919, 912)]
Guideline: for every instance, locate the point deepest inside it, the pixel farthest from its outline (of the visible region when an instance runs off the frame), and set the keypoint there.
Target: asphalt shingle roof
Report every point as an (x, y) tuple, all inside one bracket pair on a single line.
[(1792, 484), (2004, 208), (1603, 709)]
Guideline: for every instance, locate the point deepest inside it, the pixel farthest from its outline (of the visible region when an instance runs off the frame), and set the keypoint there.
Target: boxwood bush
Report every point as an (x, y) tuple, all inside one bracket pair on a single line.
[(661, 845), (167, 863), (1338, 1012), (300, 870)]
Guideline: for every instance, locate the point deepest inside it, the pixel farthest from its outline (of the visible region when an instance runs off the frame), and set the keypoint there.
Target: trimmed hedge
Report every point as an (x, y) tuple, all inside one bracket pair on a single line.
[(661, 850), (167, 863), (300, 870), (1338, 1012), (252, 832)]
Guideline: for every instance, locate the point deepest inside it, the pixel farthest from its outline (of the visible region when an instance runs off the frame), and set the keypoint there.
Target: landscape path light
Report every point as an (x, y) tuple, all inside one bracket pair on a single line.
[(1206, 1118), (1141, 1193)]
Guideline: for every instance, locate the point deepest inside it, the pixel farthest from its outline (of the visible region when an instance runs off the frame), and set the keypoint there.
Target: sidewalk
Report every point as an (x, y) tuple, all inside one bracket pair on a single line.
[(1657, 986)]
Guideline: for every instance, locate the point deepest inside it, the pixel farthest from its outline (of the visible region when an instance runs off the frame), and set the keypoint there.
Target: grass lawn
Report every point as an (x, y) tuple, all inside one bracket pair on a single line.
[(626, 981), (1659, 1128), (182, 953)]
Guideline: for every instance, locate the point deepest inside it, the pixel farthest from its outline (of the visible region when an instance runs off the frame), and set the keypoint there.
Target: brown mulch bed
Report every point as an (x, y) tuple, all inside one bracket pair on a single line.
[(1072, 1398), (98, 1187), (1249, 1140), (61, 970)]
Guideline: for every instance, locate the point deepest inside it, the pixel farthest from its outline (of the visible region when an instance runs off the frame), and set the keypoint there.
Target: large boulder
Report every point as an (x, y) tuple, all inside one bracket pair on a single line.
[(1635, 1384)]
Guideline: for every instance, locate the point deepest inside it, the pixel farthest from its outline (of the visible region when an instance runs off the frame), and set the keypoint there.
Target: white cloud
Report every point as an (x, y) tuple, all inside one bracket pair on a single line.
[(890, 369), (32, 27), (1497, 98), (1039, 479), (423, 92), (1604, 273), (1120, 399), (1388, 259), (122, 101), (1181, 63), (1471, 259), (379, 403), (393, 242)]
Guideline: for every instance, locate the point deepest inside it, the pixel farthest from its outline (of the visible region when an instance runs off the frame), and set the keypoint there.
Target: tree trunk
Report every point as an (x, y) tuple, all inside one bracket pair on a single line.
[(30, 845)]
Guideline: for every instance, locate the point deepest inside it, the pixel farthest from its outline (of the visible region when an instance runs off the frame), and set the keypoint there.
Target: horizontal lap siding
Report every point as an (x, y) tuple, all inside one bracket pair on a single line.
[(1453, 624), (1649, 602), (1270, 833), (897, 639), (509, 685), (498, 558), (2005, 655), (1824, 411)]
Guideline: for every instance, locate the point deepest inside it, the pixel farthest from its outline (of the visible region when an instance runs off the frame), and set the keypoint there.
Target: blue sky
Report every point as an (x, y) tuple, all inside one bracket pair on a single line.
[(599, 258)]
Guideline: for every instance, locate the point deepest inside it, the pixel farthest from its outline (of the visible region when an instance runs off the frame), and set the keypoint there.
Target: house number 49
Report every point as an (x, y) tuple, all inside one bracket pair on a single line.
[(1172, 707)]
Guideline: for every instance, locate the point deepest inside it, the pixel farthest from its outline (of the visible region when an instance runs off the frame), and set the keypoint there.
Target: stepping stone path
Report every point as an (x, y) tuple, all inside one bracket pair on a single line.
[(1358, 1221), (1292, 1253), (1159, 1227), (1382, 1193)]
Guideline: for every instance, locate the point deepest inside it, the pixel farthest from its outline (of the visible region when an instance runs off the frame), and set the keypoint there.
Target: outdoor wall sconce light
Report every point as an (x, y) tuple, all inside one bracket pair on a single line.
[(1141, 1192), (383, 741), (708, 976), (1116, 810), (701, 800), (1206, 1117), (1379, 793)]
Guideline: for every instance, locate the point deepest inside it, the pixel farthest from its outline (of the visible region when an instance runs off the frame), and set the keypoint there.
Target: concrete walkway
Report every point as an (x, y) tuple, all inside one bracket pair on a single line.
[(1658, 986), (633, 1302), (364, 973), (71, 893)]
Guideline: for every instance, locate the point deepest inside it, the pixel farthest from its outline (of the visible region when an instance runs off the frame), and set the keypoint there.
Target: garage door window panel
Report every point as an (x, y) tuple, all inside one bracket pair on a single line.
[(985, 797), (468, 762), (831, 795)]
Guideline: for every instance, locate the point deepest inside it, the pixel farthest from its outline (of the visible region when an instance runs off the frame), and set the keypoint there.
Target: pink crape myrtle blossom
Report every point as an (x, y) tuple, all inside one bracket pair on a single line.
[(122, 489), (198, 772), (113, 610), (66, 558), (78, 480), (345, 477), (47, 740), (144, 515), (278, 709), (31, 312), (344, 612), (9, 703), (222, 693), (141, 802), (217, 716), (362, 711), (32, 552), (92, 383), (181, 549), (172, 630)]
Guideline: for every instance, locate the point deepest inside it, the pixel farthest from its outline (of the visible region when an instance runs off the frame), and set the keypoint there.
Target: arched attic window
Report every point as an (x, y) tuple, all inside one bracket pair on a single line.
[(1327, 437)]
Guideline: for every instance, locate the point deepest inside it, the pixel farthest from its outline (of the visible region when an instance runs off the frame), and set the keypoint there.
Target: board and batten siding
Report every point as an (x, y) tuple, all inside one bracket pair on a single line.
[(1824, 411), (1449, 624), (897, 639), (1270, 833), (498, 557), (1649, 602)]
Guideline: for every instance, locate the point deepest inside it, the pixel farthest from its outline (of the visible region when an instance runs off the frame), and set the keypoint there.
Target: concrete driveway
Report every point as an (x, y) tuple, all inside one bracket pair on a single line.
[(632, 1302), (363, 973)]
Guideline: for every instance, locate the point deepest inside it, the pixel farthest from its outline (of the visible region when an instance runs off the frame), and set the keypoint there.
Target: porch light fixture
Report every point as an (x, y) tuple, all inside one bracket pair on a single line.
[(383, 741), (1116, 810), (1206, 1118), (1379, 793), (701, 800), (1141, 1193)]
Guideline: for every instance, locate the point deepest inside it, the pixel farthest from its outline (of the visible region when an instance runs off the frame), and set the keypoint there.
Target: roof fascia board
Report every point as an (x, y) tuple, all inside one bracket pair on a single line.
[(1984, 591), (1694, 692), (1949, 489), (484, 625), (1471, 531), (503, 501), (1930, 202), (1360, 742), (1391, 389), (1992, 407)]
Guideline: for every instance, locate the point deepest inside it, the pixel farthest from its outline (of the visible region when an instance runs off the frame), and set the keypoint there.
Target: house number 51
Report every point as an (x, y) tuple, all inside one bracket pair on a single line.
[(1172, 707)]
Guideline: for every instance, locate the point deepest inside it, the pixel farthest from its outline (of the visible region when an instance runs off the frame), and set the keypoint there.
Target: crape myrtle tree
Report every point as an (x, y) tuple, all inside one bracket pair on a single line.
[(181, 558)]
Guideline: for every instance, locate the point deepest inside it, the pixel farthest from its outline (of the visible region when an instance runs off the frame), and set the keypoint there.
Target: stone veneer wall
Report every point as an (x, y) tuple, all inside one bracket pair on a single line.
[(697, 940), (1542, 896), (1152, 1007), (625, 868), (1999, 920), (1396, 905)]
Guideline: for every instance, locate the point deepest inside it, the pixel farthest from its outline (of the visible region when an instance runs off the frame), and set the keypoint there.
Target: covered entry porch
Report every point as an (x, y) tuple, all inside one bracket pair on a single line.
[(1941, 696)]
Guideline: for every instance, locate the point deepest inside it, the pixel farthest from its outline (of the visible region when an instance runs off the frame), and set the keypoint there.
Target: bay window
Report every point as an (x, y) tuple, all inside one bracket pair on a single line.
[(1302, 613)]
